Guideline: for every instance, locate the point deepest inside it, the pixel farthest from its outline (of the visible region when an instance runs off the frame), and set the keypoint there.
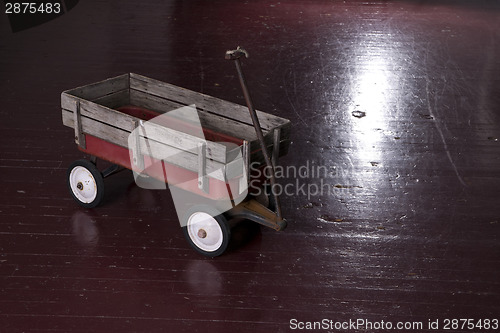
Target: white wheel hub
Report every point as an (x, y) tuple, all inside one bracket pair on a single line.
[(83, 184), (204, 231)]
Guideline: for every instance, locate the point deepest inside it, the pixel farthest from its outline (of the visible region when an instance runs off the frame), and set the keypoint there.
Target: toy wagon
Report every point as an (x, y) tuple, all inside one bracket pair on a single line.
[(206, 149)]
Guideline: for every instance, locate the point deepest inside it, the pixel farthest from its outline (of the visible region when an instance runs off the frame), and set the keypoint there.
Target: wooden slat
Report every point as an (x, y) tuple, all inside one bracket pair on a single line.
[(208, 120), (235, 168), (114, 100), (98, 129), (183, 141), (190, 161), (102, 88), (98, 112), (208, 103), (151, 102)]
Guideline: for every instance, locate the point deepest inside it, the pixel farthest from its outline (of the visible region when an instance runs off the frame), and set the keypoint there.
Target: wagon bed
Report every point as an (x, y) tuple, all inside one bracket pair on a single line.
[(104, 114)]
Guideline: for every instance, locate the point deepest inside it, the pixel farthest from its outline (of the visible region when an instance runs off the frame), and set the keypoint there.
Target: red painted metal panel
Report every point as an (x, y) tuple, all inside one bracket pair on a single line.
[(182, 178), (107, 151)]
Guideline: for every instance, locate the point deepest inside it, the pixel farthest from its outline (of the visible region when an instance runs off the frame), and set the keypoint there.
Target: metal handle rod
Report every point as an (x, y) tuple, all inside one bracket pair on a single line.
[(260, 135)]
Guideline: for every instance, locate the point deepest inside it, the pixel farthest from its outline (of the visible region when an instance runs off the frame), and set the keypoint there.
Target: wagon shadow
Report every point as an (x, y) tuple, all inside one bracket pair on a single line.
[(244, 234)]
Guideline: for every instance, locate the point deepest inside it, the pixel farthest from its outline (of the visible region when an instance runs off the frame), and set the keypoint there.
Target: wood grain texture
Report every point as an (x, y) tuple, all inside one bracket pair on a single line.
[(213, 121), (102, 88), (162, 97), (205, 102)]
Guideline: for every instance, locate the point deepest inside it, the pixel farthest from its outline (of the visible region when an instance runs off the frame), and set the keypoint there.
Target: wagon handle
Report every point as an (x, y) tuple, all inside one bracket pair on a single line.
[(236, 55)]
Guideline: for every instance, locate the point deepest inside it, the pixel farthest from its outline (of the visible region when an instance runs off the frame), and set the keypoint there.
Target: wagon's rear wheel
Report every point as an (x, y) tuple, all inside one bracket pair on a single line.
[(206, 230), (85, 183)]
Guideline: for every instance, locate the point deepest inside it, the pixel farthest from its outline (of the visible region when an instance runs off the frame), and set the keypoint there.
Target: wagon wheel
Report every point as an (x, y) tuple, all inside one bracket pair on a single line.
[(206, 230), (85, 183)]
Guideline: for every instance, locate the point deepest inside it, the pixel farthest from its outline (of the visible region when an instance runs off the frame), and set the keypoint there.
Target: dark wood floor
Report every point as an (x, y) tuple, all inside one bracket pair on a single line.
[(408, 229)]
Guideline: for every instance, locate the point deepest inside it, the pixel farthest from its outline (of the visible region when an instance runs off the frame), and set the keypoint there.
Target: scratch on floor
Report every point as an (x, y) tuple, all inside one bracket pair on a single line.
[(290, 100), (436, 122)]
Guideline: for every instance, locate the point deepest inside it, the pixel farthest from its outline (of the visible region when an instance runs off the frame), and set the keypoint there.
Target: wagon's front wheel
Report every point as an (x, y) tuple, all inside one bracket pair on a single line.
[(85, 183), (206, 230)]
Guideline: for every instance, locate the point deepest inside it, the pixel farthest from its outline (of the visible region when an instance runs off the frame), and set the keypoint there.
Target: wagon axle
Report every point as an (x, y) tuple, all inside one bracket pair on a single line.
[(202, 233)]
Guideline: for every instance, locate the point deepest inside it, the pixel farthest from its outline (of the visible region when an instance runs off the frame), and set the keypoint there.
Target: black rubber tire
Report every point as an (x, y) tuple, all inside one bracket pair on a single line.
[(99, 183), (222, 223)]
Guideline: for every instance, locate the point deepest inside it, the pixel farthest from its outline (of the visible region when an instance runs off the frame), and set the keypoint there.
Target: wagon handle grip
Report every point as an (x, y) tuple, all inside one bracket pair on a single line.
[(236, 54)]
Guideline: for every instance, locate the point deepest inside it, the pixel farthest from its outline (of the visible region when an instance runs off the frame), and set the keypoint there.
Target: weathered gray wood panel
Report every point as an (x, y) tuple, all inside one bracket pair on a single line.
[(208, 120), (163, 97), (102, 88), (114, 100), (98, 112), (213, 121), (151, 102), (183, 140), (98, 129), (205, 102), (126, 122)]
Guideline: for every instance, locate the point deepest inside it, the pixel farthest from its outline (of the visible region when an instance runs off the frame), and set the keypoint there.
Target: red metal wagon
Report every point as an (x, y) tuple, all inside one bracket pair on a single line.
[(204, 148)]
